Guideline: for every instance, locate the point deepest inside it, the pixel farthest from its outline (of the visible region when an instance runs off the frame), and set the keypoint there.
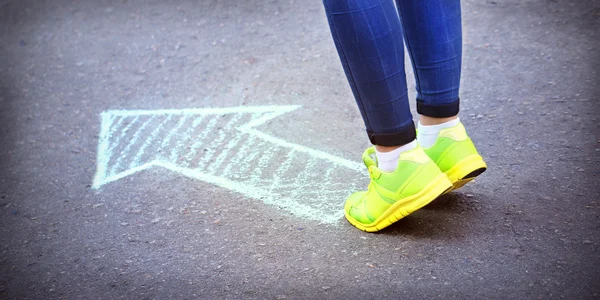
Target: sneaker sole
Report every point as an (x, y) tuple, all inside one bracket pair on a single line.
[(409, 205), (465, 171)]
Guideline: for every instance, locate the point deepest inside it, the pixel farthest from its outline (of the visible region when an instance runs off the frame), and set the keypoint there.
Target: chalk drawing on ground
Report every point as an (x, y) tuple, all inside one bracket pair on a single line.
[(223, 146)]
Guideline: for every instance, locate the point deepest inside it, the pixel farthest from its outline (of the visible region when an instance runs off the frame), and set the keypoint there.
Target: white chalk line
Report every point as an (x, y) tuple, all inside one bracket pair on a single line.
[(316, 153), (320, 192), (138, 155), (278, 109), (262, 164), (231, 146), (212, 148), (214, 167), (249, 190), (166, 140), (249, 128), (126, 173), (248, 160), (116, 142), (186, 136), (132, 142), (123, 133), (327, 176), (103, 145), (284, 167), (237, 159), (262, 119), (199, 140), (290, 205), (113, 130), (292, 185), (303, 177), (112, 125)]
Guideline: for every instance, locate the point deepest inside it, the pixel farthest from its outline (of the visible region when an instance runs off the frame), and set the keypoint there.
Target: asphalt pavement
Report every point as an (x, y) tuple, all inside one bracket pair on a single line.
[(173, 150)]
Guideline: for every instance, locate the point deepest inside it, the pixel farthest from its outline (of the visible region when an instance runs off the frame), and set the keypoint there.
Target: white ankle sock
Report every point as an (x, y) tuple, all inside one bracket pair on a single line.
[(388, 161), (428, 133)]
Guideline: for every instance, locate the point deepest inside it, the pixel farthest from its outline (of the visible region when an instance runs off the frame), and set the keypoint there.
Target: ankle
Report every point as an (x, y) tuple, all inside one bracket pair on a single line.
[(387, 161), (428, 134), (427, 121), (383, 149)]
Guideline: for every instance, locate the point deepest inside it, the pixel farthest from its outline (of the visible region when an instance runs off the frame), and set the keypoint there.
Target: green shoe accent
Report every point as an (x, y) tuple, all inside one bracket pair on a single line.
[(455, 154), (393, 196)]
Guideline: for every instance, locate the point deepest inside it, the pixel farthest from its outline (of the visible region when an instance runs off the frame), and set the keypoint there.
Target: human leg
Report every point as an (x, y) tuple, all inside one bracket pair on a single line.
[(433, 35), (368, 37)]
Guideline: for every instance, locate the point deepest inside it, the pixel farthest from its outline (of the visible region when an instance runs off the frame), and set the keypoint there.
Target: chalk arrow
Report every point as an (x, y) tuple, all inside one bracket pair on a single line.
[(223, 147)]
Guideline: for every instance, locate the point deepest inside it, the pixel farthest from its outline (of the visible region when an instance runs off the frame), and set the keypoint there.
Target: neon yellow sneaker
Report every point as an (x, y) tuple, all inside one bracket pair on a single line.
[(393, 196), (455, 154)]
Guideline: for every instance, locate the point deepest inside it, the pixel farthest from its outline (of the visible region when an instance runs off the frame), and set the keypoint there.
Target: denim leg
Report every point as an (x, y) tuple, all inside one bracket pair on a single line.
[(433, 35), (368, 37)]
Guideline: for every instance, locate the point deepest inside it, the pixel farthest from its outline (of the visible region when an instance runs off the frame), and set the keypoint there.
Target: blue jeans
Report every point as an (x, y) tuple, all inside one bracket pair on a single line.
[(369, 36)]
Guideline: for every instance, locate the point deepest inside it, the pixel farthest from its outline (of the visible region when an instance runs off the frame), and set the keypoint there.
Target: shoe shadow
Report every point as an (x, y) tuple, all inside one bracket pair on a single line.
[(453, 201), (448, 217)]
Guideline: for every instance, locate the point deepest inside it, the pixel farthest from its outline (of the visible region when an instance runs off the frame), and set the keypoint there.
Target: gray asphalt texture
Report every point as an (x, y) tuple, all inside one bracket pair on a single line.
[(527, 229)]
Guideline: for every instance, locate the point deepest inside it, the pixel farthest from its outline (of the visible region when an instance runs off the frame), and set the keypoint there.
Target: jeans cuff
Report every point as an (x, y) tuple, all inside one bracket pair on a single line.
[(438, 110), (400, 137)]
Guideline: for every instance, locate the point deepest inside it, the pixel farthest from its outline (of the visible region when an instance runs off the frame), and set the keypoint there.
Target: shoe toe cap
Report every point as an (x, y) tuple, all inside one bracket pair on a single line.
[(354, 208)]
